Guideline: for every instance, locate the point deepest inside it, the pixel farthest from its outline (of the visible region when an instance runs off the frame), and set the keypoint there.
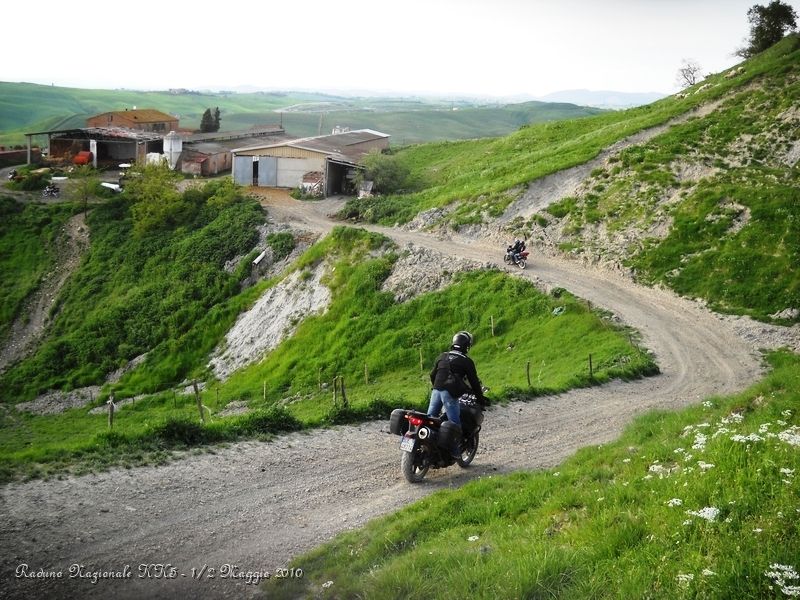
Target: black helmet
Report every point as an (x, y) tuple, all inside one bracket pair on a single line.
[(462, 341)]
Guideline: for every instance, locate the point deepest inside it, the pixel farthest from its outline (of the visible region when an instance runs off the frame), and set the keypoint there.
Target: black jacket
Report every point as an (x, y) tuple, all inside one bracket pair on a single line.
[(461, 367)]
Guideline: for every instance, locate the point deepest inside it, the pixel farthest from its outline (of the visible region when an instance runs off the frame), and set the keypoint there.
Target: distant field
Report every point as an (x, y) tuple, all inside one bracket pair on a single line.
[(27, 107)]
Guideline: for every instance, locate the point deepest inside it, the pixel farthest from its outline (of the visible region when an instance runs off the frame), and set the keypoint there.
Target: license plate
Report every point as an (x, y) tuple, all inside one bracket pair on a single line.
[(407, 444)]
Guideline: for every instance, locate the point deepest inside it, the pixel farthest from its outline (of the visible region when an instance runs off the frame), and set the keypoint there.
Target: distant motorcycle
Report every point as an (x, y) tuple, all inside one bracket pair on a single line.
[(51, 191), (11, 174), (518, 259), (427, 441)]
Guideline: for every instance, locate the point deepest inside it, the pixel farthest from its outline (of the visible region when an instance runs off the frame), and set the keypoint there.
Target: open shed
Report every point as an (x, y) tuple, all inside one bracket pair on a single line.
[(285, 164)]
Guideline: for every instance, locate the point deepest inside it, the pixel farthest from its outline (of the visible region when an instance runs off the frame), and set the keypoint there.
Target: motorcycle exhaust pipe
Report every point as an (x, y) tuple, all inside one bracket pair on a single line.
[(423, 433)]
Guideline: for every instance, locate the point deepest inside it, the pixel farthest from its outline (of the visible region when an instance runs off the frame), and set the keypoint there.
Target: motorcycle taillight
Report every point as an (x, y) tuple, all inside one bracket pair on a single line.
[(415, 421)]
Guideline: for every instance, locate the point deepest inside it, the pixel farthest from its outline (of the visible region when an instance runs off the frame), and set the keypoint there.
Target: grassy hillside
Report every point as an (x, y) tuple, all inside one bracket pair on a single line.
[(27, 241), (27, 107), (697, 504), (723, 187), (389, 338)]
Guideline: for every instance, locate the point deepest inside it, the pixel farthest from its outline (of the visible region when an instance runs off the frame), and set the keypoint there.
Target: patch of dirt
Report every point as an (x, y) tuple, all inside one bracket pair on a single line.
[(273, 318), (28, 328)]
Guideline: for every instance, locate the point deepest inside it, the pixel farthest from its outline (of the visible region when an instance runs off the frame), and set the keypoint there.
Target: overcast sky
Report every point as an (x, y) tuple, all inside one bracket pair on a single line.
[(473, 47)]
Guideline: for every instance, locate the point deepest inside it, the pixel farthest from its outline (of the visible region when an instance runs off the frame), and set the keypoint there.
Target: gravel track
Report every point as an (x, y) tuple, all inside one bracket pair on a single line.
[(257, 505)]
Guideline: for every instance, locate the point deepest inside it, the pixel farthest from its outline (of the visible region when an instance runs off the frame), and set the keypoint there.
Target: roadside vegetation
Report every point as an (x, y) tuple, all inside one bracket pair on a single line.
[(702, 503)]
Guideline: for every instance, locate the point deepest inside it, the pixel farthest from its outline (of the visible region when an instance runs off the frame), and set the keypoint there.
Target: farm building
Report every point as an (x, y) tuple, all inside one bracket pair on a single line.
[(287, 164), (207, 154), (147, 119)]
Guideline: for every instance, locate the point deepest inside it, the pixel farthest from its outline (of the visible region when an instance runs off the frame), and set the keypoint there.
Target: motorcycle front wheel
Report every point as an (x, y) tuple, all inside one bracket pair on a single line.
[(415, 465), (521, 263), (468, 452)]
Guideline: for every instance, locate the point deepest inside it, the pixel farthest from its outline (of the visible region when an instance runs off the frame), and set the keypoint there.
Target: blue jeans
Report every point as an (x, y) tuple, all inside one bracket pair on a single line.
[(451, 406)]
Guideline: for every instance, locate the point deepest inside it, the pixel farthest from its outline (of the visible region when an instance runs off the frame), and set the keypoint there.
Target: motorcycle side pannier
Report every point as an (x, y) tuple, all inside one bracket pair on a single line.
[(448, 435), (398, 424)]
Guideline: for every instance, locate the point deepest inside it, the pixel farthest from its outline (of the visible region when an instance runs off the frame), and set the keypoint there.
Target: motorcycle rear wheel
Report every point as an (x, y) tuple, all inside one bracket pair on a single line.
[(521, 263), (415, 465), (468, 452)]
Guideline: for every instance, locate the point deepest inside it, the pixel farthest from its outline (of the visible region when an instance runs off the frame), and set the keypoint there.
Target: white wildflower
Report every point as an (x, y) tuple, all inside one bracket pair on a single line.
[(327, 584), (684, 578), (704, 465), (626, 460), (708, 404), (708, 573), (732, 418), (785, 471), (675, 502), (781, 575), (709, 513), (753, 437), (791, 436), (703, 425), (757, 530), (687, 522), (699, 442), (473, 538), (601, 498), (557, 473), (781, 422), (787, 413), (764, 427), (720, 431)]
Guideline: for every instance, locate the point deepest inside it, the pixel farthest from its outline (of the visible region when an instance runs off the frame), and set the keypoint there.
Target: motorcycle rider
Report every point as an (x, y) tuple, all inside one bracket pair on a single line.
[(447, 378), (516, 249)]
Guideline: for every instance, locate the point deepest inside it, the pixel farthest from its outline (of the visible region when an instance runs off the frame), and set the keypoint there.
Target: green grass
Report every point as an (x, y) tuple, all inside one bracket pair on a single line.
[(734, 238), (363, 326), (133, 293), (481, 177), (607, 523), (28, 234)]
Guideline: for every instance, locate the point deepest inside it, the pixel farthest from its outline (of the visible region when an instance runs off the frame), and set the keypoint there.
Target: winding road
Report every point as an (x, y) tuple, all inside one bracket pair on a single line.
[(255, 506)]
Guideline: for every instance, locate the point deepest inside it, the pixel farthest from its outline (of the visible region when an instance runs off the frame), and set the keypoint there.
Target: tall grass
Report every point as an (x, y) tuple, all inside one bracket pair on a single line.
[(702, 503)]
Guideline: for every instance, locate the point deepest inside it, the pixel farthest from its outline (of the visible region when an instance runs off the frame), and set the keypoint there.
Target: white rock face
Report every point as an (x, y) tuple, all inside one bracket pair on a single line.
[(273, 318)]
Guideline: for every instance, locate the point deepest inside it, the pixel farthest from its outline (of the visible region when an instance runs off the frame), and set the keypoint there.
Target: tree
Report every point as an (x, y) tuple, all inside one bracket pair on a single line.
[(689, 73), (207, 122), (216, 119), (768, 25), (387, 174), (86, 184)]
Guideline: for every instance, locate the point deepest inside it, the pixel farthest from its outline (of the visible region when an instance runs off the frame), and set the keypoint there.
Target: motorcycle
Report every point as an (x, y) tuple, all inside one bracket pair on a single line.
[(518, 259), (51, 191), (427, 441), (11, 174)]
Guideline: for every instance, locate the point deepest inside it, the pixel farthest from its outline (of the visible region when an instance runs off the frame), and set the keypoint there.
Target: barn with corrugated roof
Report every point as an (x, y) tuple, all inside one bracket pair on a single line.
[(285, 164)]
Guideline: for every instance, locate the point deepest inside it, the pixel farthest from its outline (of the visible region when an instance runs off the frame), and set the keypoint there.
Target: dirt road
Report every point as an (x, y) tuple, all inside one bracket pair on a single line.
[(257, 505)]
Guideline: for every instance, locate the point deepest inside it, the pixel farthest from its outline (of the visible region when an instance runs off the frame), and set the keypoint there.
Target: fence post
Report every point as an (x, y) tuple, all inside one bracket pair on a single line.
[(199, 403), (344, 395), (591, 370), (110, 403), (335, 383), (528, 372)]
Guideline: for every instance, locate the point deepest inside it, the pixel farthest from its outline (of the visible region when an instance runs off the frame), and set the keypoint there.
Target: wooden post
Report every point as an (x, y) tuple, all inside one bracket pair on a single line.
[(366, 374), (528, 372), (591, 371), (199, 402), (110, 413), (344, 395), (335, 381), (492, 318)]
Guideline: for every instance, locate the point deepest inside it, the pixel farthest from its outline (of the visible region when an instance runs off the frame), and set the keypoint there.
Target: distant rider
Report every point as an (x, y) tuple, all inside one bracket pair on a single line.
[(448, 380), (517, 249)]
